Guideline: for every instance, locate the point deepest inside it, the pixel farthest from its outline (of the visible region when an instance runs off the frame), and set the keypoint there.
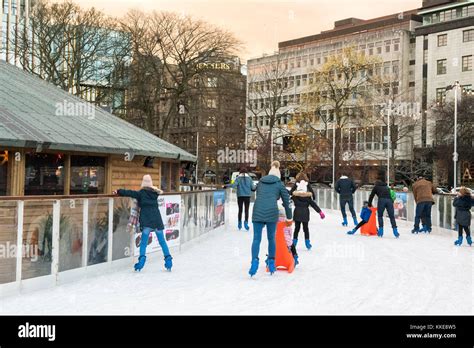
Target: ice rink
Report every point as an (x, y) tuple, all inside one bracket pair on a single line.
[(416, 274)]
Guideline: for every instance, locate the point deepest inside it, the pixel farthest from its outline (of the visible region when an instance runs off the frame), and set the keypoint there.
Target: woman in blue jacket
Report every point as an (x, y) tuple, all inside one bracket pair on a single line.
[(244, 185), (265, 212), (150, 219)]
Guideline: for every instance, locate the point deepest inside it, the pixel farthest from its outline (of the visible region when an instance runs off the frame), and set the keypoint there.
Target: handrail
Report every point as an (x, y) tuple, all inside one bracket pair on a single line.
[(59, 197)]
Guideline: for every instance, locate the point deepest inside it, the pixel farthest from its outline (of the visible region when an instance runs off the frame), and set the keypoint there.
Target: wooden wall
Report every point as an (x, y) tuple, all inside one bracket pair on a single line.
[(129, 175)]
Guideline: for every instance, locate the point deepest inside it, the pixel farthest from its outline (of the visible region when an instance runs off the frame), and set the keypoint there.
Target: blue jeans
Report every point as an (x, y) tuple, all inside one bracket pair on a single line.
[(161, 239), (257, 238), (423, 211), (386, 204), (343, 203)]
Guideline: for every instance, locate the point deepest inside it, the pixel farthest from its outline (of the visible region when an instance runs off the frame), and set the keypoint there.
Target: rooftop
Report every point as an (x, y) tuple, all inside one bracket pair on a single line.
[(354, 25), (29, 118)]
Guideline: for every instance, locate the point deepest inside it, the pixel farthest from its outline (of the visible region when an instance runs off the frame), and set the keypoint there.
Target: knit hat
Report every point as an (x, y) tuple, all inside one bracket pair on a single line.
[(275, 170), (302, 186), (147, 181)]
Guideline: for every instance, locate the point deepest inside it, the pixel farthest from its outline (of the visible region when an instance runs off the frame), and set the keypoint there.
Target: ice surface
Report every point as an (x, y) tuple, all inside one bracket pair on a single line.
[(417, 274)]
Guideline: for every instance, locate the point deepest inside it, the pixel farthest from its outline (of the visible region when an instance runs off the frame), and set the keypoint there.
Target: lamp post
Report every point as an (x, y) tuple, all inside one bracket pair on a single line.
[(389, 111), (455, 86), (333, 151)]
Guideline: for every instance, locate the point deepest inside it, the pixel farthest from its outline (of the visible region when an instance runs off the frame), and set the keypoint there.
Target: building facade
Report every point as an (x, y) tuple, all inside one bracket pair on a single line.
[(12, 13), (205, 120), (389, 40), (444, 57)]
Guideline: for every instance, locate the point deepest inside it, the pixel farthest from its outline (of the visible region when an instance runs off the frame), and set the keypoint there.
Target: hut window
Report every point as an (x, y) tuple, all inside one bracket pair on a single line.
[(174, 176), (165, 176), (87, 175), (3, 172), (44, 174)]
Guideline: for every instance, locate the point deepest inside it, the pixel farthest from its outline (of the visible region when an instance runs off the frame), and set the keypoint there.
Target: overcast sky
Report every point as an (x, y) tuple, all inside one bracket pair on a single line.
[(261, 24)]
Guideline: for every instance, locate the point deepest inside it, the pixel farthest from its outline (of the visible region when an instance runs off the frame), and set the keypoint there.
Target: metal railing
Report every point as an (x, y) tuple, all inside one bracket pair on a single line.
[(442, 213)]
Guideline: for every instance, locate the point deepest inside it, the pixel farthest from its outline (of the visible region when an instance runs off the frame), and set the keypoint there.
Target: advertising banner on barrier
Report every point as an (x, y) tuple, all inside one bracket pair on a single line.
[(400, 206), (219, 208), (170, 210)]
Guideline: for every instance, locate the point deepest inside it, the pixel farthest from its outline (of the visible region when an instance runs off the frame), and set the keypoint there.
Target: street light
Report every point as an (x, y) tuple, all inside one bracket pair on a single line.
[(455, 86)]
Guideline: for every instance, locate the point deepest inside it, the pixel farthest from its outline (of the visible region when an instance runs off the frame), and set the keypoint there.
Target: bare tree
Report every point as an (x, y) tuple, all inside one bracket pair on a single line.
[(175, 49), (269, 108), (443, 134), (68, 46), (339, 87)]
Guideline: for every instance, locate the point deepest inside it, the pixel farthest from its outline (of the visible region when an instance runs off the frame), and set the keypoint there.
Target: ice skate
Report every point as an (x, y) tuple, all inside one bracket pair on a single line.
[(253, 267), (458, 242), (168, 262), (140, 264)]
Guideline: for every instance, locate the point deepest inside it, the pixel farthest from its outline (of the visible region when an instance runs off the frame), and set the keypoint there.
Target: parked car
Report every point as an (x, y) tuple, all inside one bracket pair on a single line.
[(453, 191), (442, 191), (366, 187), (252, 175), (319, 185)]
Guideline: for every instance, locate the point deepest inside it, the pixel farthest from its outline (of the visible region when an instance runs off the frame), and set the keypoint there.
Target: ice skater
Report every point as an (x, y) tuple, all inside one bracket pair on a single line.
[(423, 191), (365, 214), (150, 219), (302, 198), (382, 191), (244, 186), (288, 233), (463, 204), (265, 213), (346, 188)]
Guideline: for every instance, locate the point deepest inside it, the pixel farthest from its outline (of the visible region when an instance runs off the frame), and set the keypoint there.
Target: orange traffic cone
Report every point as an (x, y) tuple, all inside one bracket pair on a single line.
[(283, 257), (370, 228)]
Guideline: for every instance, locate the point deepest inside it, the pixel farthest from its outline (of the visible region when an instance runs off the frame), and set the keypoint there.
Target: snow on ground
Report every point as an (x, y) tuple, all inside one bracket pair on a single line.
[(417, 274)]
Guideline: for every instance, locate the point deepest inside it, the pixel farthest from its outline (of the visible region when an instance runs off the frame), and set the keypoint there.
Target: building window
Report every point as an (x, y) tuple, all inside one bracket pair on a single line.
[(44, 174), (387, 49), (396, 47), (87, 174), (165, 176), (212, 82), (211, 103), (467, 63), (468, 35), (440, 95), (442, 40), (442, 66), (379, 50)]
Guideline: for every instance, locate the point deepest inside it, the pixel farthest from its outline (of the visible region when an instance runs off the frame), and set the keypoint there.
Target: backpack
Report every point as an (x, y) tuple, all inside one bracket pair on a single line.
[(393, 195)]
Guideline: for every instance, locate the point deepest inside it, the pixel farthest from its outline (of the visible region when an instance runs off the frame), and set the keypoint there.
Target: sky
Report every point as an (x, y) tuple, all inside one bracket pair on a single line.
[(261, 24)]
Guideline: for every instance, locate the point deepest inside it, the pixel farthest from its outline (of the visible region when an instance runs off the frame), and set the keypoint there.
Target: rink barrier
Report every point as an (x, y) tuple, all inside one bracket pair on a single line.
[(442, 212), (85, 235)]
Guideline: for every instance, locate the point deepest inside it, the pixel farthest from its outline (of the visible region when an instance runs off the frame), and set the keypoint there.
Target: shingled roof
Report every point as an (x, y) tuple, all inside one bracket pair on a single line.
[(28, 119)]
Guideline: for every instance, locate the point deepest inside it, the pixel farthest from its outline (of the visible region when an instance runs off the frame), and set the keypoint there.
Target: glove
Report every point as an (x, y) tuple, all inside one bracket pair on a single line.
[(322, 215), (289, 223)]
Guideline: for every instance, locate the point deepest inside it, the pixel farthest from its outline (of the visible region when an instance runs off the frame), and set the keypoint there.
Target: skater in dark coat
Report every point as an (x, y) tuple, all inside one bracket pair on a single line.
[(382, 191), (265, 213), (150, 219), (346, 188), (302, 198), (463, 204), (302, 176)]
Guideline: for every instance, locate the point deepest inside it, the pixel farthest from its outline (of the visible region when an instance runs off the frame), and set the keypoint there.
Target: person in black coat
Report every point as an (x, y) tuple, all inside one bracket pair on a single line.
[(382, 191), (302, 198), (463, 204), (150, 219), (346, 188)]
